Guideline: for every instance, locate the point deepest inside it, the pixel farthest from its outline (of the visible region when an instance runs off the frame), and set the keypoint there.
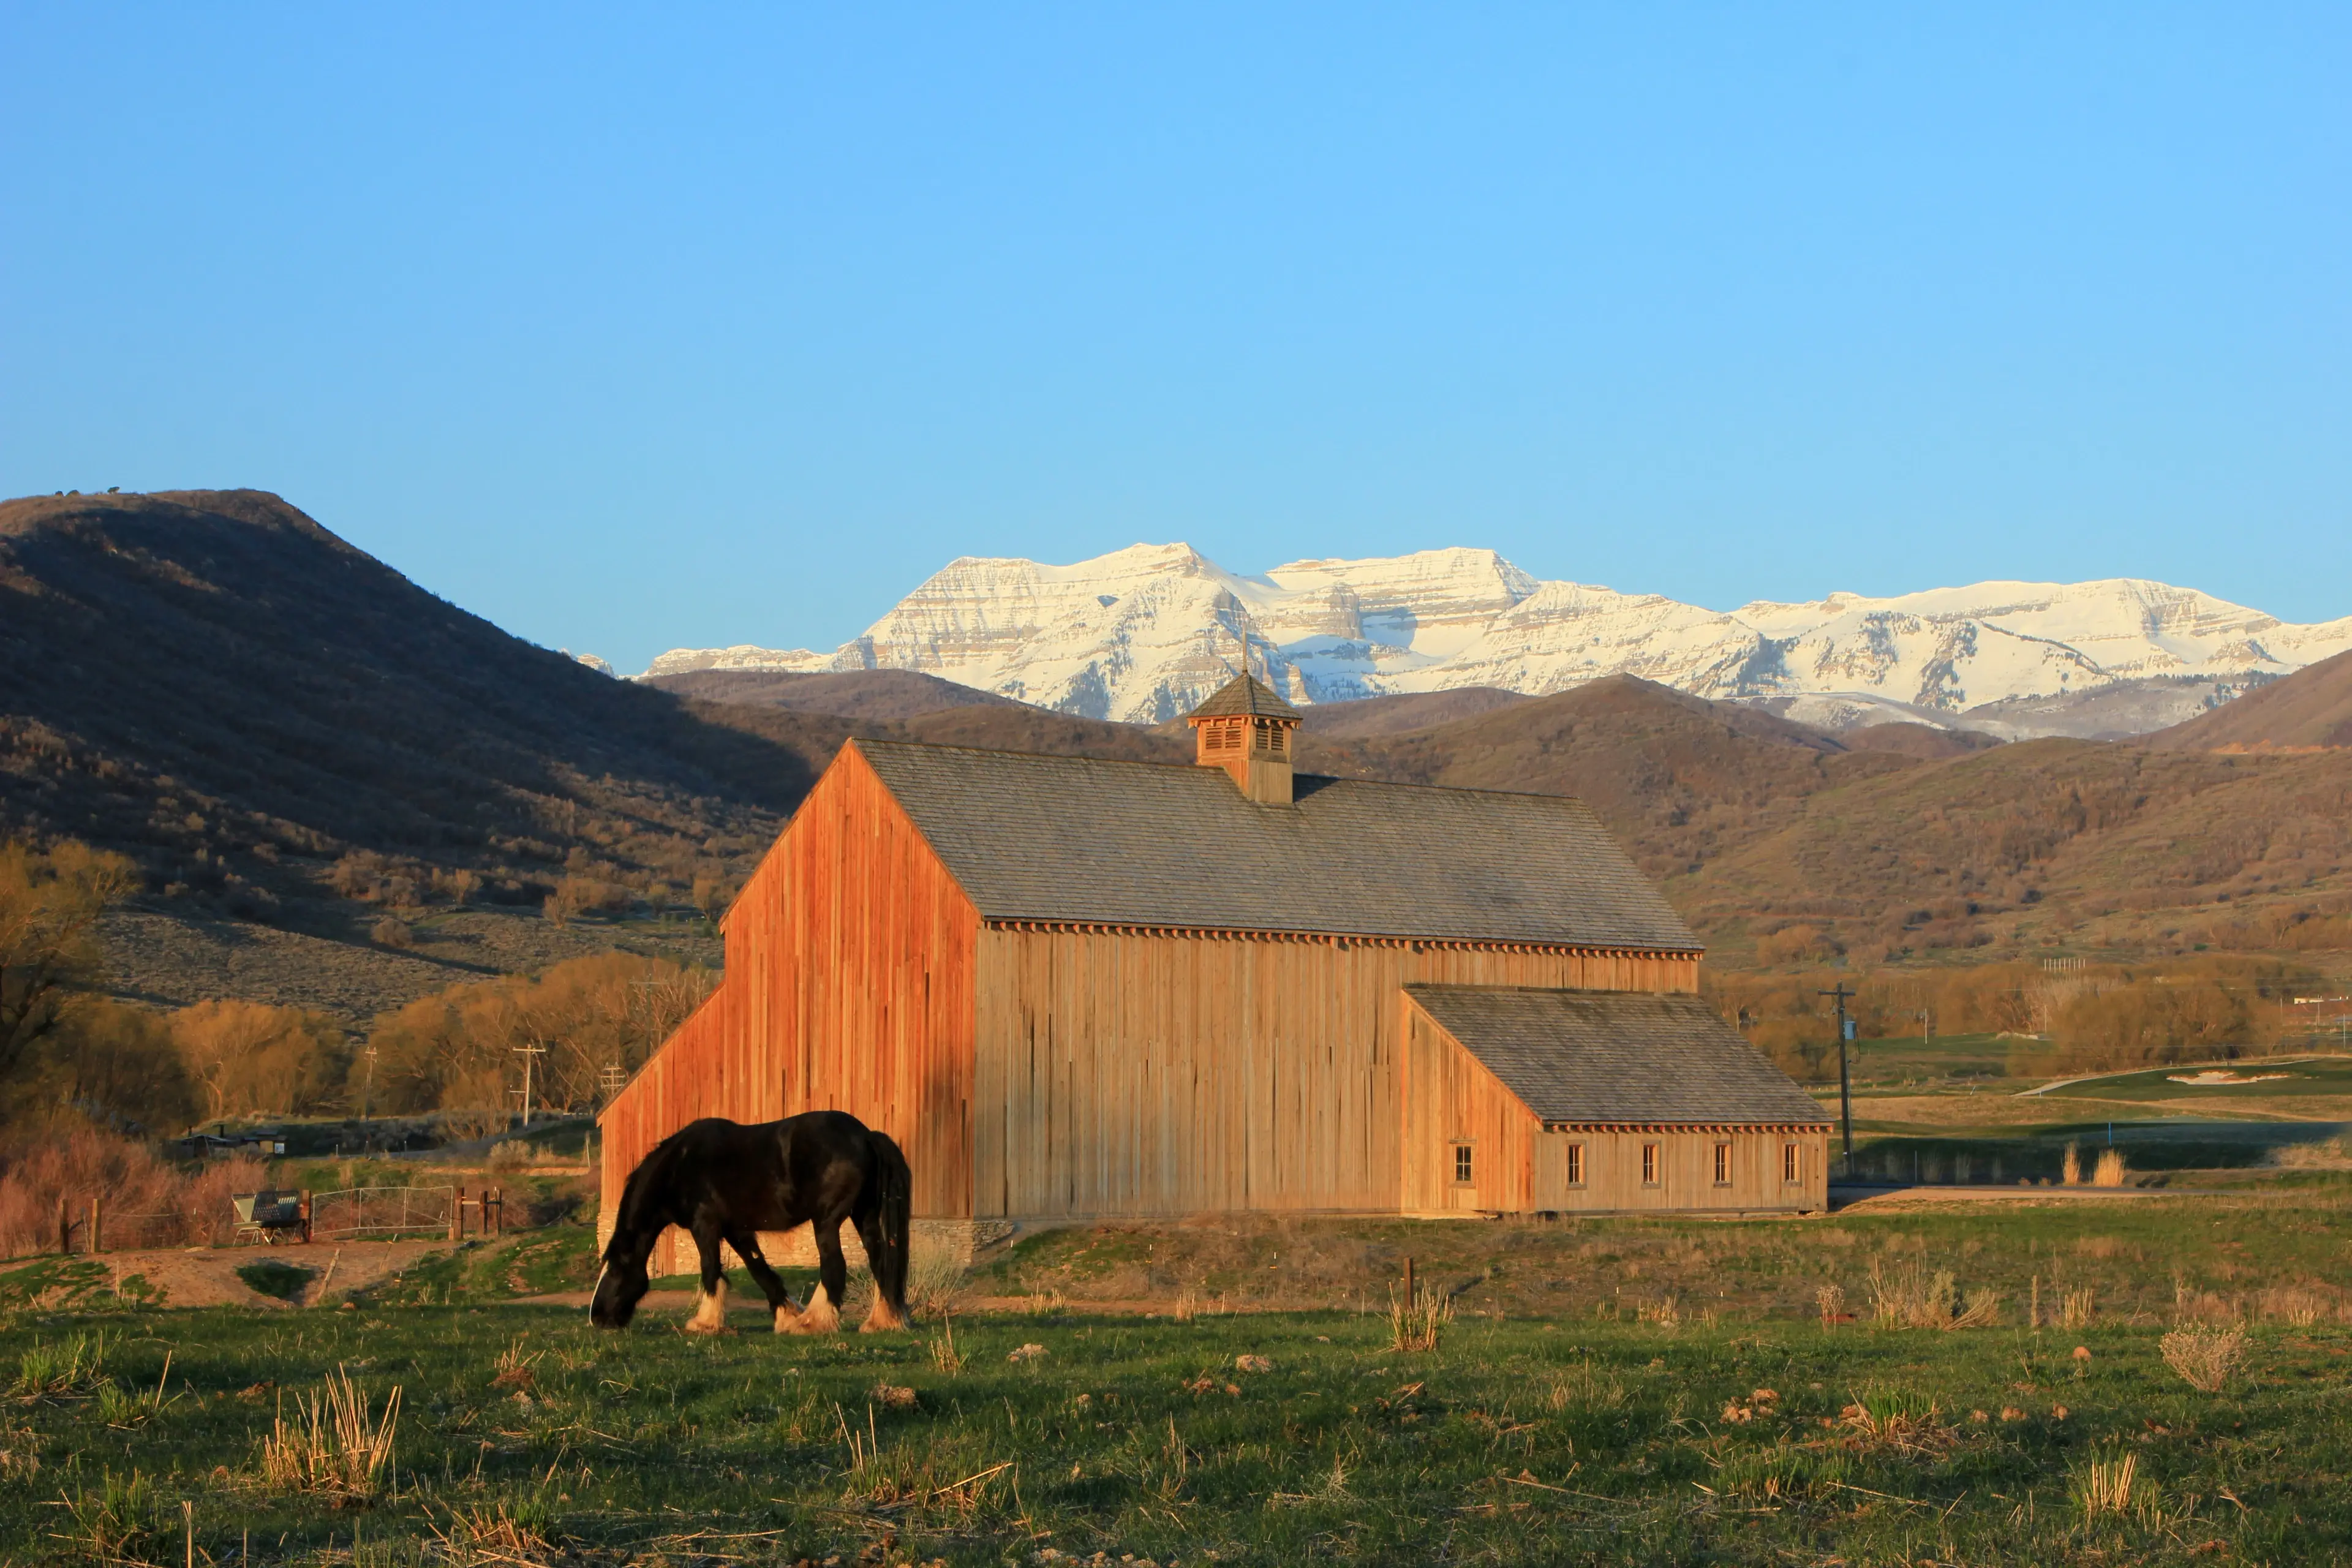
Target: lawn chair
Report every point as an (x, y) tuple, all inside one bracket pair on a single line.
[(268, 1216)]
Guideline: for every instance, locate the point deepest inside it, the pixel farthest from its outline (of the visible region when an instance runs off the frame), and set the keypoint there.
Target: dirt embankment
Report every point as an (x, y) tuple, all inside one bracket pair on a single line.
[(209, 1277)]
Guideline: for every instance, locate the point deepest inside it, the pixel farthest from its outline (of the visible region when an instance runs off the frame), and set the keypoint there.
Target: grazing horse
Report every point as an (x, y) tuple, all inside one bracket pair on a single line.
[(721, 1181)]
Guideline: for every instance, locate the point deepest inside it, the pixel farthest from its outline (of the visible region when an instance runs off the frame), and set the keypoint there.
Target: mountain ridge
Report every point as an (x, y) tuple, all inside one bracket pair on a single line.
[(1142, 634)]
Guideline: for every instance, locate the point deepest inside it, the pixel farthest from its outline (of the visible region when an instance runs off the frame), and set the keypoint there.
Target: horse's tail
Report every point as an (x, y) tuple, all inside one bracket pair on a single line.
[(895, 1190)]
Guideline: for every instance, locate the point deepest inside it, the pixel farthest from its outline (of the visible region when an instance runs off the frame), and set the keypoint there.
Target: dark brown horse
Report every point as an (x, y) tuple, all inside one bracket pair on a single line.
[(724, 1182)]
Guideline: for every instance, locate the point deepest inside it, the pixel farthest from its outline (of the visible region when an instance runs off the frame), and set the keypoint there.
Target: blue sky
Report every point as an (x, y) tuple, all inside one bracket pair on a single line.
[(639, 327)]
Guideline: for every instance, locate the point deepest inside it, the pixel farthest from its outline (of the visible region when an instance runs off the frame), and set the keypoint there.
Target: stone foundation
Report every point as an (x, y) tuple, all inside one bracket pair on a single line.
[(954, 1242)]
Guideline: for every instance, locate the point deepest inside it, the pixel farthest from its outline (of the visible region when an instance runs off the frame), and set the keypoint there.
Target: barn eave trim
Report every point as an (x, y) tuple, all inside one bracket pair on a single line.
[(1684, 1127), (1336, 939)]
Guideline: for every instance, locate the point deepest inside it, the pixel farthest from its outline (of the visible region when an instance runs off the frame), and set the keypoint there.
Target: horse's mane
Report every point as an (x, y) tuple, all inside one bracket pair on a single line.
[(645, 1196)]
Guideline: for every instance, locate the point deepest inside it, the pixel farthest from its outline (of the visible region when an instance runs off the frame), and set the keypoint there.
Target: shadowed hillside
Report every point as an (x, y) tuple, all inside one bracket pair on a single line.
[(218, 686), (883, 694), (2313, 707)]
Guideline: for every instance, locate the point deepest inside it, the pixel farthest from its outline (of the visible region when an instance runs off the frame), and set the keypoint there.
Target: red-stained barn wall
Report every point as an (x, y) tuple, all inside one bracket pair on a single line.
[(849, 987)]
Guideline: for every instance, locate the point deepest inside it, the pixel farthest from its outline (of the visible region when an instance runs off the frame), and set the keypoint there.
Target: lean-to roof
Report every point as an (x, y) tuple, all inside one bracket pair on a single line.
[(1587, 1056), (1147, 844)]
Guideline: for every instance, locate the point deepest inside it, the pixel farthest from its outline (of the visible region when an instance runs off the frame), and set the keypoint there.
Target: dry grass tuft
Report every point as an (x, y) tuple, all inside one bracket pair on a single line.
[(515, 1368), (496, 1535), (2299, 1306), (1413, 1324), (1898, 1423), (1831, 1301), (2077, 1308), (1912, 1295), (2203, 1356), (336, 1445), (1666, 1311), (944, 1354), (2070, 1169), (2112, 1487), (934, 1282), (2109, 1172)]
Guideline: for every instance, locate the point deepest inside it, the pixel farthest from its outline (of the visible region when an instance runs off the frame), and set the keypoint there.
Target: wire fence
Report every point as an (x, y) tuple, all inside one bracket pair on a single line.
[(380, 1212), (133, 1232)]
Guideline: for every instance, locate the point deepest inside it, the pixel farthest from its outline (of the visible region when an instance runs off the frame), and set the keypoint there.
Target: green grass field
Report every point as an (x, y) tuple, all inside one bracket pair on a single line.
[(1608, 1391), (2263, 1081)]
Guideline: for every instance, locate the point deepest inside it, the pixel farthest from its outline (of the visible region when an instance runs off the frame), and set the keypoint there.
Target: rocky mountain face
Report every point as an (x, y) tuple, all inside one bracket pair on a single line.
[(1142, 634)]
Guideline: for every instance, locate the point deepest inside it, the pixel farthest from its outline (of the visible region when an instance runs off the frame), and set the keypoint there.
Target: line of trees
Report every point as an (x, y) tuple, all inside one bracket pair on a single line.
[(2075, 1017), (68, 1051)]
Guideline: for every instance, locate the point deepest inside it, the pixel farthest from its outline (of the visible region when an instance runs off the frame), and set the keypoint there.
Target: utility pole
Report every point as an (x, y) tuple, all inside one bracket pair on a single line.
[(1845, 1073), (529, 1054)]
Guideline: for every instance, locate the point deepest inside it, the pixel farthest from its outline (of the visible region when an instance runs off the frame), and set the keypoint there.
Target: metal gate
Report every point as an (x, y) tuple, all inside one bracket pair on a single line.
[(380, 1212)]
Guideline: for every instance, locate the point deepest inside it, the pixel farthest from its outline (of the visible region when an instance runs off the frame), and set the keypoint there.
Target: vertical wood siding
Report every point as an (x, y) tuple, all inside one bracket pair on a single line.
[(849, 987), (1612, 1171), (1124, 1073)]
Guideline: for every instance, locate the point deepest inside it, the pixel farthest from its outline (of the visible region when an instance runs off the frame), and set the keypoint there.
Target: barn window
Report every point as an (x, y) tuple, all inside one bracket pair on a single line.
[(1723, 1165), (1462, 1163), (1576, 1164), (1277, 738), (1791, 1170), (1649, 1164)]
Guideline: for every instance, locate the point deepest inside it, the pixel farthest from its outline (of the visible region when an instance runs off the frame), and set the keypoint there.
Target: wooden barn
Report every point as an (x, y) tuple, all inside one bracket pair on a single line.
[(1075, 988)]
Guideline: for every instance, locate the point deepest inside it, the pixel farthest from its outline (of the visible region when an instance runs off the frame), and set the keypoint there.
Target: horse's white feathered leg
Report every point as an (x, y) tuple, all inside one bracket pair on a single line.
[(819, 1316), (709, 1310), (882, 1318), (600, 1272)]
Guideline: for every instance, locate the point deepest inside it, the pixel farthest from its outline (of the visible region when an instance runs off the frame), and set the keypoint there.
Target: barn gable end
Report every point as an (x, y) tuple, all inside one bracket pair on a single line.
[(849, 987)]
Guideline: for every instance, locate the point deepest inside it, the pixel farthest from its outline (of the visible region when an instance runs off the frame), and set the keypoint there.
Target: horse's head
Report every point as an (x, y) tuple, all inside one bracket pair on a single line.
[(620, 1285)]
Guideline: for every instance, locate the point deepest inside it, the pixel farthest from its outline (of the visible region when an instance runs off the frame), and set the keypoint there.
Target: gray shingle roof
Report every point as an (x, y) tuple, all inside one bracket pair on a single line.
[(1244, 694), (1615, 1057), (1075, 838)]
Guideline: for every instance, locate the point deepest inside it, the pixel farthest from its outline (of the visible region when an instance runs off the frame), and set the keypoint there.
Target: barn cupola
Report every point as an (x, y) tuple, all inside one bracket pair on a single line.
[(1248, 729)]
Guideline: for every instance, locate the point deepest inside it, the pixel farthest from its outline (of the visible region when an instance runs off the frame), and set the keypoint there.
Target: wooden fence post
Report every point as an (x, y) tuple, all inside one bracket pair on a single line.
[(65, 1228), (97, 1235), (1408, 1285), (305, 1216), (458, 1214)]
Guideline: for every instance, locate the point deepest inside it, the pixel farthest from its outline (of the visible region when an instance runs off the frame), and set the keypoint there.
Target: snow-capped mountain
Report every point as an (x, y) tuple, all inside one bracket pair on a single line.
[(1144, 633)]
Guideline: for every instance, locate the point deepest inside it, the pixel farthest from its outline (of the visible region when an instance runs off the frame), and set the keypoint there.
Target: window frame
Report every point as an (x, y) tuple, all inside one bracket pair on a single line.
[(1722, 1164), (1653, 1165), (1574, 1164), (1465, 1162), (1792, 1164)]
